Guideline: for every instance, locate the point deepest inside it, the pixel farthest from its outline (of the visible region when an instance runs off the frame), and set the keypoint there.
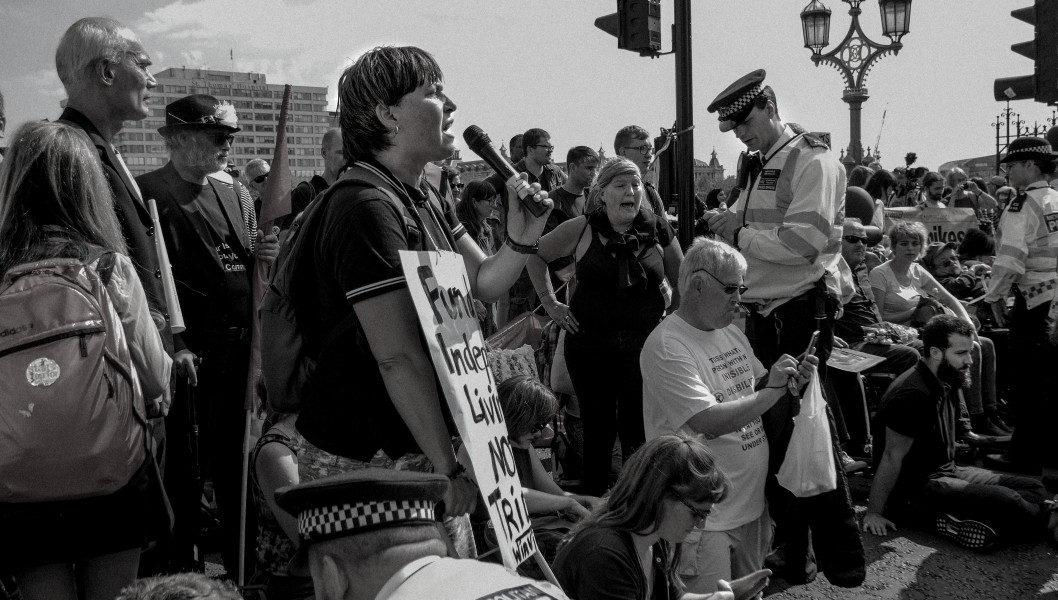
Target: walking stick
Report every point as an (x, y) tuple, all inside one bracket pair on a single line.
[(195, 470), (242, 495)]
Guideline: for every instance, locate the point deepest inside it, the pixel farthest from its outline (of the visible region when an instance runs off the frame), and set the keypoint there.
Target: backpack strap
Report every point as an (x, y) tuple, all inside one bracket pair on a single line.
[(104, 264)]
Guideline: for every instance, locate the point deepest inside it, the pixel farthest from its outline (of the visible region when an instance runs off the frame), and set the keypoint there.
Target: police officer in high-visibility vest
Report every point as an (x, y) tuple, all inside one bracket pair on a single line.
[(1025, 268), (787, 222)]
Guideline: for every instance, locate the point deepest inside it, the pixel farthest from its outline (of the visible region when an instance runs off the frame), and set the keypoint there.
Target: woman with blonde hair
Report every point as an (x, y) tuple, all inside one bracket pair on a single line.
[(55, 203)]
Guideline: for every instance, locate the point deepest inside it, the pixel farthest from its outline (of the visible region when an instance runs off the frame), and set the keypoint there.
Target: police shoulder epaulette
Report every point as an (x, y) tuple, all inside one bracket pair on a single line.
[(815, 141)]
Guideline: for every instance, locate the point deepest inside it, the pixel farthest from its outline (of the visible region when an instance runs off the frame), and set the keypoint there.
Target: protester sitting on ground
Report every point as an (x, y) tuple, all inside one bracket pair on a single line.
[(180, 586), (274, 464), (917, 481), (395, 118), (627, 548), (965, 283), (625, 259), (977, 248), (476, 203), (55, 203), (528, 408), (908, 295), (700, 376)]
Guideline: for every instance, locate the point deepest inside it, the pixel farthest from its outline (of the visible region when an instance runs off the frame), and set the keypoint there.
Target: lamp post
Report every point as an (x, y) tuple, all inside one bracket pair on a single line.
[(856, 54)]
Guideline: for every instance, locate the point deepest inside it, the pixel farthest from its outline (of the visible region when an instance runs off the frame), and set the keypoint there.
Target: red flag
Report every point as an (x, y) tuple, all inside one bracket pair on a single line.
[(275, 204)]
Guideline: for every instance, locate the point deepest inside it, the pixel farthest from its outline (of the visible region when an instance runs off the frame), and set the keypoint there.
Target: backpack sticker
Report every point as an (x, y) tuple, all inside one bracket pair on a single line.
[(42, 372)]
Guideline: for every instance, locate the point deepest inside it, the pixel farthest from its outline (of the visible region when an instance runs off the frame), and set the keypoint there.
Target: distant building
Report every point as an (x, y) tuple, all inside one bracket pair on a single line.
[(257, 103), (981, 166), (712, 172)]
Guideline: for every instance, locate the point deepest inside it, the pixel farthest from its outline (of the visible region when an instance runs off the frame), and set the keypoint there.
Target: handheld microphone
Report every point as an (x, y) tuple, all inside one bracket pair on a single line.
[(479, 142)]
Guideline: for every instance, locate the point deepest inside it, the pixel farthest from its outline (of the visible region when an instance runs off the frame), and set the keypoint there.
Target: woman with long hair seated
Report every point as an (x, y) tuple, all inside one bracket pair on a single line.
[(55, 203), (628, 549)]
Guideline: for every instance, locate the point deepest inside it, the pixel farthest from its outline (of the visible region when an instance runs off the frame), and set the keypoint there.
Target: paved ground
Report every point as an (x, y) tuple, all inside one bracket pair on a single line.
[(914, 565)]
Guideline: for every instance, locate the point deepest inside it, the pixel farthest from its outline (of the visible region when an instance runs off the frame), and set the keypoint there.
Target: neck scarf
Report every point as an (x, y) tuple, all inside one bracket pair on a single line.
[(625, 247)]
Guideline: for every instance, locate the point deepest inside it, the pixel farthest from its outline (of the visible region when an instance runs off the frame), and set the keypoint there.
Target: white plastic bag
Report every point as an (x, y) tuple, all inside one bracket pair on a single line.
[(808, 468)]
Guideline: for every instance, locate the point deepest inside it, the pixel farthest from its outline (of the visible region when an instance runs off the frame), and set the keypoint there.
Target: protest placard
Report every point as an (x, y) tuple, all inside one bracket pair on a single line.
[(942, 224), (441, 292)]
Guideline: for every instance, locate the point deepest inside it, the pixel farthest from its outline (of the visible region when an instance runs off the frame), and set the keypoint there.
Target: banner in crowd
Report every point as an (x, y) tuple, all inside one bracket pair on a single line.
[(441, 292), (942, 224)]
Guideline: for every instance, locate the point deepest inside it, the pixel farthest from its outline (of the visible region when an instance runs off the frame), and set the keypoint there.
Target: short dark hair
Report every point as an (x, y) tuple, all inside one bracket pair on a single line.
[(977, 243), (526, 403), (533, 136), (931, 178), (627, 134), (578, 153), (516, 142), (767, 95), (878, 183), (381, 76), (940, 328)]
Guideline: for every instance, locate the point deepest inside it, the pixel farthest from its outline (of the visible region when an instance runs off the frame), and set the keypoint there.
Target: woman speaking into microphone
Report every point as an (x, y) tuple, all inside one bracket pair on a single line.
[(374, 395)]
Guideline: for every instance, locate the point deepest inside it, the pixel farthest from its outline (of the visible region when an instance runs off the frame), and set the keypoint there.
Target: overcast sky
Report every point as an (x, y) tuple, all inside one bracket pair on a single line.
[(514, 65)]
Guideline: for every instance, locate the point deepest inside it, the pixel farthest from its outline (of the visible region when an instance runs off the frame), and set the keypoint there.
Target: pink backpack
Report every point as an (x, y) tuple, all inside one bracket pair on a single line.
[(72, 414)]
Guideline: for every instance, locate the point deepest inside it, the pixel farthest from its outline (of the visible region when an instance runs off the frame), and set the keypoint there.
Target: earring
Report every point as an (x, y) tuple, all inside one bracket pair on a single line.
[(396, 129)]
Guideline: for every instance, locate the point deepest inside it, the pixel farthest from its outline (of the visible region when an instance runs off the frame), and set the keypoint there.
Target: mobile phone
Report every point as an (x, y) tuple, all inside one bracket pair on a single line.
[(812, 344)]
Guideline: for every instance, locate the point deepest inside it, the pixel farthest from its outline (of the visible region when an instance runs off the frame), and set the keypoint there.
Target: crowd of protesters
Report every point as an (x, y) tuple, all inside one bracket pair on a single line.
[(683, 368)]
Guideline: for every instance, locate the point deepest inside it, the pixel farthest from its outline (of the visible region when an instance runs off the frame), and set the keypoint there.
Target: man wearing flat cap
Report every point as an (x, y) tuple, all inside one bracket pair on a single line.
[(210, 234), (787, 222), (373, 534), (1024, 268)]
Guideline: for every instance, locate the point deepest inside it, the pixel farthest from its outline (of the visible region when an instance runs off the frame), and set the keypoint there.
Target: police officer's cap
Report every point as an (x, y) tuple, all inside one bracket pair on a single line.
[(358, 502), (1029, 148), (735, 103)]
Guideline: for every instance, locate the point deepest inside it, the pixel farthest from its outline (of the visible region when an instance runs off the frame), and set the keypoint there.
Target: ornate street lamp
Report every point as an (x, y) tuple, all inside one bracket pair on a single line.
[(856, 54)]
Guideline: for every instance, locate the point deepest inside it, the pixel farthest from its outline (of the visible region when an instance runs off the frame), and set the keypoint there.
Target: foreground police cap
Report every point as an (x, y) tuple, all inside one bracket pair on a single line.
[(1029, 148), (735, 102), (198, 111), (359, 502)]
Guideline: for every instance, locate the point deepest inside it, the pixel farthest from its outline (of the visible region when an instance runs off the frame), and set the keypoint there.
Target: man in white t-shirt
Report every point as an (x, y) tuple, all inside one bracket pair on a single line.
[(700, 377)]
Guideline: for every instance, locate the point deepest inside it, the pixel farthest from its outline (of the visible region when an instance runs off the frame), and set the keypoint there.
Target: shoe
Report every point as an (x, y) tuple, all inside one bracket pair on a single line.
[(976, 439), (1004, 461), (849, 464), (984, 426), (1000, 423), (968, 533)]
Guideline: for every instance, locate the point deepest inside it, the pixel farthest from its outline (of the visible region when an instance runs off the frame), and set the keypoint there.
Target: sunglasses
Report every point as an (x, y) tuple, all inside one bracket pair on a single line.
[(698, 514), (948, 263), (855, 239), (730, 290), (220, 137), (549, 147), (260, 178), (540, 426)]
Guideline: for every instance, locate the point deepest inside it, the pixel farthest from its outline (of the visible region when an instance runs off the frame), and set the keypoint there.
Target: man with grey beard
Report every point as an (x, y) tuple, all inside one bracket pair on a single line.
[(212, 247)]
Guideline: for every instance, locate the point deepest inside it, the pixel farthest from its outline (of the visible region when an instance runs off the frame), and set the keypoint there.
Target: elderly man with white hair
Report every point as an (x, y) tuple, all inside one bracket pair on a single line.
[(700, 377)]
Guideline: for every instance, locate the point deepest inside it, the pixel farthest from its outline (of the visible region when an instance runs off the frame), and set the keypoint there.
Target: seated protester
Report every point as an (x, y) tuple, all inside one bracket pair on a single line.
[(908, 295), (943, 264), (859, 310), (528, 407), (274, 464), (917, 478), (628, 548)]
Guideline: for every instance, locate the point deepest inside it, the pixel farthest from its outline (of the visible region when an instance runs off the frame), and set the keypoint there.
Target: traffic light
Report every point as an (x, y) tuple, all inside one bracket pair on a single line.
[(636, 25), (1043, 49)]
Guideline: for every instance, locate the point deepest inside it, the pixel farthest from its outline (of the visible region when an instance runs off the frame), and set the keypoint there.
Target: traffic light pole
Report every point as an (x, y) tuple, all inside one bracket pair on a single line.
[(684, 121)]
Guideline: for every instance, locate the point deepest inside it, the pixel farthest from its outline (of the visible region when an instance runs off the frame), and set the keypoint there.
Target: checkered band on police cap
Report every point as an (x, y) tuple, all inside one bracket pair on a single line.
[(1041, 149), (324, 522), (741, 102)]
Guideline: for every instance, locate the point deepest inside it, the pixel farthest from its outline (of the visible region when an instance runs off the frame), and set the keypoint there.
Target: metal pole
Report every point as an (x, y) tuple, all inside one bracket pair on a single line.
[(684, 121), (855, 148)]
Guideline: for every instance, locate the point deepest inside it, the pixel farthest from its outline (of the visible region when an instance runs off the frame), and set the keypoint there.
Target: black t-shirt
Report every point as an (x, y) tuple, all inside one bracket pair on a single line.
[(857, 313), (918, 405), (355, 256)]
